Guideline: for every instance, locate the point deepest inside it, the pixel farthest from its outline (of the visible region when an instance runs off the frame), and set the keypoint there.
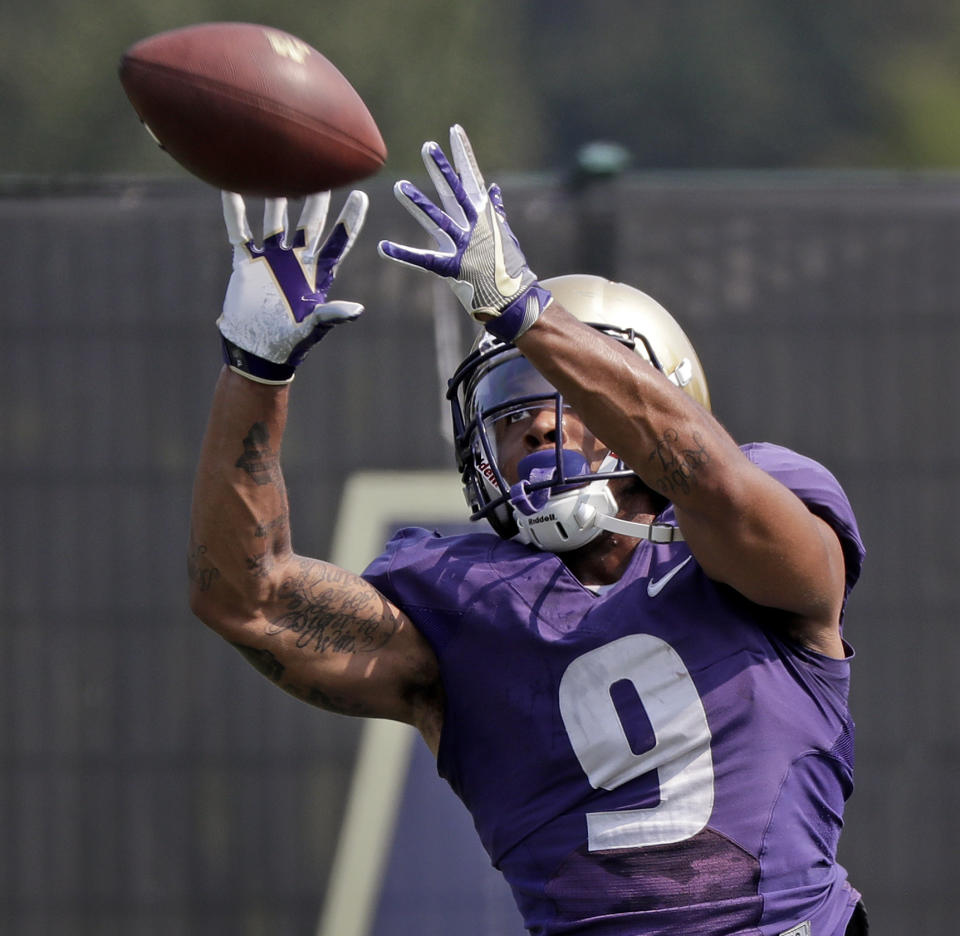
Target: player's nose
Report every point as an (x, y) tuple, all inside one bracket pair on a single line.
[(542, 429)]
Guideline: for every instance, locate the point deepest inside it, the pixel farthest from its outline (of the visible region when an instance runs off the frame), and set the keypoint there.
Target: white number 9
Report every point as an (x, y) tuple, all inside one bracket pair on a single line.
[(680, 755)]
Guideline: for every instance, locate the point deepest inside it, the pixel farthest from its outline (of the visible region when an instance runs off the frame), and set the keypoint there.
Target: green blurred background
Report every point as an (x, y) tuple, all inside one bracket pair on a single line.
[(150, 782), (680, 83)]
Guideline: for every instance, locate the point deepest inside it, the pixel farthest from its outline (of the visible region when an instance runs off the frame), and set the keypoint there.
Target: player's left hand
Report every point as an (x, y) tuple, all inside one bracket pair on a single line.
[(477, 249), (276, 306)]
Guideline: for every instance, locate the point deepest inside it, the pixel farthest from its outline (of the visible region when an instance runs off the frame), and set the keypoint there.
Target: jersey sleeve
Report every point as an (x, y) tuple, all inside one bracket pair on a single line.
[(425, 575), (399, 552), (820, 491)]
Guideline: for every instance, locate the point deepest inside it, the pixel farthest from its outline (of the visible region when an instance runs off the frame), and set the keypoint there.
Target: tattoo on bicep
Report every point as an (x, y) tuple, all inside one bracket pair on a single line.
[(200, 570), (263, 661), (328, 614), (268, 665), (258, 460), (678, 462), (341, 705)]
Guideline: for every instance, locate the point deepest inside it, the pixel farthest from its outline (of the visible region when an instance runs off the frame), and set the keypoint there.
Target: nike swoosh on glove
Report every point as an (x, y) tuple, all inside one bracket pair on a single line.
[(477, 252)]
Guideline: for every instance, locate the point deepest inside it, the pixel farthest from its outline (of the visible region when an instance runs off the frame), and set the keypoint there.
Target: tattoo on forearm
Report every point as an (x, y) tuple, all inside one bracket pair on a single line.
[(258, 460), (263, 661), (327, 615), (200, 570), (678, 462)]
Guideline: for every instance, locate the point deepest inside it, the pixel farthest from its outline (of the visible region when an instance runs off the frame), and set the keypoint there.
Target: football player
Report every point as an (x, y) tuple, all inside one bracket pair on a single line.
[(637, 681)]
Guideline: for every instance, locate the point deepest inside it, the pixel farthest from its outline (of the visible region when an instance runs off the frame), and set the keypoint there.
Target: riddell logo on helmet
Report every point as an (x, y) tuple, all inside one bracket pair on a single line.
[(546, 519)]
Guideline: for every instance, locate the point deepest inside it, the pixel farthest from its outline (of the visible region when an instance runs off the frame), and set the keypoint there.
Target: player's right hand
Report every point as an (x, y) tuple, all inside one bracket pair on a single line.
[(276, 307)]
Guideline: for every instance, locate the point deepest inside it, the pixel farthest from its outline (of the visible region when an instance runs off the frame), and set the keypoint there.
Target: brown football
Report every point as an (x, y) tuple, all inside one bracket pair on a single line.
[(251, 109)]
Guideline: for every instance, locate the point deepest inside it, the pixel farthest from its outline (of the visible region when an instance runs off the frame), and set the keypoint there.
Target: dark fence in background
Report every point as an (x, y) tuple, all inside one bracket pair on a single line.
[(152, 783)]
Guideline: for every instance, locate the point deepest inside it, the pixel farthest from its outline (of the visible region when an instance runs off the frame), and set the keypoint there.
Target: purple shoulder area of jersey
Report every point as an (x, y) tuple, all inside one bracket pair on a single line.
[(817, 487)]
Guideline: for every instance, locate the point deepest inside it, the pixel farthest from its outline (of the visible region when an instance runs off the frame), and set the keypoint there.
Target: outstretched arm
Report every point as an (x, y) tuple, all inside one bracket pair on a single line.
[(319, 632), (745, 528)]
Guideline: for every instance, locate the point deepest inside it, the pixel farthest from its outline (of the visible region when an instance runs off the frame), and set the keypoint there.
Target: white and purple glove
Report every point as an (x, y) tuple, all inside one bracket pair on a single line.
[(276, 305), (478, 251)]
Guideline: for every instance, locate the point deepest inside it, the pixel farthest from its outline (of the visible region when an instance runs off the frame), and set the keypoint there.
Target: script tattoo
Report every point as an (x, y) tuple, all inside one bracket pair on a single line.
[(258, 459), (330, 614), (678, 461), (200, 571)]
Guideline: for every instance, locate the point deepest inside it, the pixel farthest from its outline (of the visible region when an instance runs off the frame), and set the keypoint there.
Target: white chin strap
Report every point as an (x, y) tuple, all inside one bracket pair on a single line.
[(655, 532), (570, 520)]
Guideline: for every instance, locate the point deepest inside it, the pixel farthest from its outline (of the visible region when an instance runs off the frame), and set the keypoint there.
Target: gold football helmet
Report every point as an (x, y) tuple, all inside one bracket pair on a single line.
[(561, 503)]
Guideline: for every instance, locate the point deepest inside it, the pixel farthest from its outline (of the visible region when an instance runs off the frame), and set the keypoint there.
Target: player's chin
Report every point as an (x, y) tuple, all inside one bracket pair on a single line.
[(632, 490)]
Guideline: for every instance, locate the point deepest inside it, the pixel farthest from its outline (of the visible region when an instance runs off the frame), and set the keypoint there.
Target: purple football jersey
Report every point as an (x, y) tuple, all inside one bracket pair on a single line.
[(656, 759)]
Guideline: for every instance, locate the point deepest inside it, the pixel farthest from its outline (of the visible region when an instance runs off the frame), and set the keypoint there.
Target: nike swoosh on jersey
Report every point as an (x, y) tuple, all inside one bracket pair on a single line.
[(507, 285), (655, 587)]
